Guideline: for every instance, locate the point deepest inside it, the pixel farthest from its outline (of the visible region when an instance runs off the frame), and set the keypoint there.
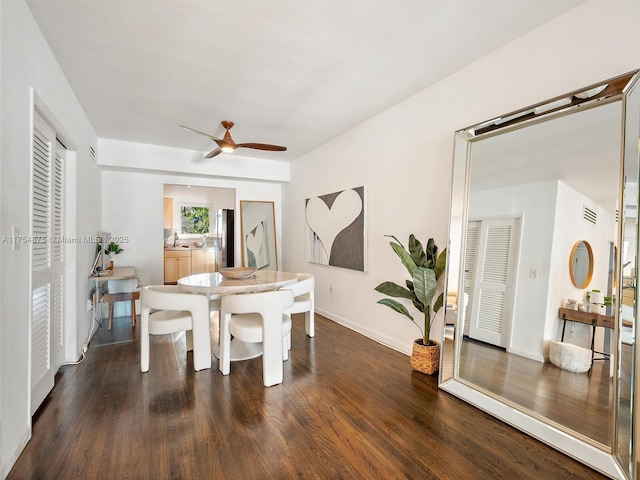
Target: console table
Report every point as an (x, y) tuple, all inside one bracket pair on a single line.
[(118, 273), (593, 319)]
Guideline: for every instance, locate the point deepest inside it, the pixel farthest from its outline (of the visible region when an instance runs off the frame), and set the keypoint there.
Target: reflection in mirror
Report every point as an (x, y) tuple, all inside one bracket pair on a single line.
[(526, 191), (258, 232), (581, 264)]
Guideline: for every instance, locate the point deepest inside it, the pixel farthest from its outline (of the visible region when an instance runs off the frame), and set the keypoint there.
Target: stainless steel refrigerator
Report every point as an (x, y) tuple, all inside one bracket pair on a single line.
[(224, 238)]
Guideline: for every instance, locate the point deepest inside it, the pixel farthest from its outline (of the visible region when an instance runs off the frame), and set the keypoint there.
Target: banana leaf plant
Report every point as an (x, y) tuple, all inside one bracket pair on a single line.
[(424, 267)]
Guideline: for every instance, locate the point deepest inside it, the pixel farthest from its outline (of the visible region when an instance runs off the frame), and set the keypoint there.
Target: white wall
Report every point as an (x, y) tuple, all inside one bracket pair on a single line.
[(404, 154), (569, 228), (132, 203), (27, 62)]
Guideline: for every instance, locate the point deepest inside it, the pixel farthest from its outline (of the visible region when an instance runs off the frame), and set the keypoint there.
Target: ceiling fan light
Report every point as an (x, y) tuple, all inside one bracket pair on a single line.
[(227, 149)]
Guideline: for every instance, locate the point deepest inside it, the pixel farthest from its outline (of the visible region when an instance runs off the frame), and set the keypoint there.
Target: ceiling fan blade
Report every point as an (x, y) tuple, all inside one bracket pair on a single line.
[(213, 153), (262, 146), (215, 139)]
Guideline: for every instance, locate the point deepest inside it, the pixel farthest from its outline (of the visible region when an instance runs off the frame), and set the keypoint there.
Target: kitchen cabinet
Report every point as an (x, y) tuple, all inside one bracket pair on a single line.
[(181, 263), (168, 212), (177, 264), (203, 261)]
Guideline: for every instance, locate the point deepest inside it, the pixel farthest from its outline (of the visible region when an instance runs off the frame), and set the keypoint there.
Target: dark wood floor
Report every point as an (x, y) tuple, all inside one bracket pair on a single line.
[(349, 408), (582, 402)]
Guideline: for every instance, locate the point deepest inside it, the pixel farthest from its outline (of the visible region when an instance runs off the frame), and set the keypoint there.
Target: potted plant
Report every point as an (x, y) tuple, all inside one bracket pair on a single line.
[(112, 250), (424, 267)]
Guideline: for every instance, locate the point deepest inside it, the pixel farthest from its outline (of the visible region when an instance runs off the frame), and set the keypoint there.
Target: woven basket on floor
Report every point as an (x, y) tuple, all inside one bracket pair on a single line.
[(425, 359)]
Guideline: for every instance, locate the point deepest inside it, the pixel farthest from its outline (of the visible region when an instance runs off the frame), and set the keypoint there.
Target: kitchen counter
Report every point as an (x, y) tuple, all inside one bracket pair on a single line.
[(187, 248)]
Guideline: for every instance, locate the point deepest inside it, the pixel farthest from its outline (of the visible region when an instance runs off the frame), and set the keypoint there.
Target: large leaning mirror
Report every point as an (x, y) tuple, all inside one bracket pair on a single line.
[(258, 231), (529, 188)]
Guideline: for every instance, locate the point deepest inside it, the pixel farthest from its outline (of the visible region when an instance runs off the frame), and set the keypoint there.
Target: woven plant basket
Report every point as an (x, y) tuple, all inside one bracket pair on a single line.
[(425, 359)]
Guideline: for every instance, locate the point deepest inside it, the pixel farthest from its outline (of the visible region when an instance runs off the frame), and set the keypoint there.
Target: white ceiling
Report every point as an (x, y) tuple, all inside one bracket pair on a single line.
[(581, 149), (287, 72)]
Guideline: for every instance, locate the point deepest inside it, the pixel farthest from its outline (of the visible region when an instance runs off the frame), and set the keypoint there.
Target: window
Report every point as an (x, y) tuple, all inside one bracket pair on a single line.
[(194, 219)]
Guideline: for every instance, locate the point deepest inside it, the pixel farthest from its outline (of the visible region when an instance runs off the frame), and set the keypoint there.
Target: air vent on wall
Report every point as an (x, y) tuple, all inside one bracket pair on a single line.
[(92, 153), (589, 215)]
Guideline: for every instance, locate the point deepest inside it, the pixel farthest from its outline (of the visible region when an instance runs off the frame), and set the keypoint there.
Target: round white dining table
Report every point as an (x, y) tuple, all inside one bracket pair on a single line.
[(215, 284)]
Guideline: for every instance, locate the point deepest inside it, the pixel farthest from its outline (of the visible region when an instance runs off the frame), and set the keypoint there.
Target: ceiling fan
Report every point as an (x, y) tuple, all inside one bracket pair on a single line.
[(227, 145)]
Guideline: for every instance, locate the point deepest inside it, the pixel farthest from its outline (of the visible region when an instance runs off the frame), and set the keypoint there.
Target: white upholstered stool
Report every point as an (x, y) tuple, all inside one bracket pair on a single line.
[(570, 357)]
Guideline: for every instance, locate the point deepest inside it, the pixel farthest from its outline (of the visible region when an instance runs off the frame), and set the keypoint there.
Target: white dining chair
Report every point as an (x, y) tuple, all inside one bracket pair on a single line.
[(303, 300), (257, 318), (169, 309)]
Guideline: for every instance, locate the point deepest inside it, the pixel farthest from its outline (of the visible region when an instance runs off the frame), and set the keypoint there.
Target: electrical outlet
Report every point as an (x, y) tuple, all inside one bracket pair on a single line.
[(89, 305), (330, 288)]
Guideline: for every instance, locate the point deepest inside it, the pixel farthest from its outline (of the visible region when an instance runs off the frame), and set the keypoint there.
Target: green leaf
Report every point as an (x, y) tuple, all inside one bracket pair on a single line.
[(425, 285), (396, 306), (407, 261), (430, 251), (416, 251), (114, 249), (394, 237), (394, 290), (409, 284), (418, 305), (439, 302), (441, 263)]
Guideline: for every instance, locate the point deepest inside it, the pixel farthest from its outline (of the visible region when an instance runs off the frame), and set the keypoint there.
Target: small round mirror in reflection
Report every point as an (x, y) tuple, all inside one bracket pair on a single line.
[(581, 264)]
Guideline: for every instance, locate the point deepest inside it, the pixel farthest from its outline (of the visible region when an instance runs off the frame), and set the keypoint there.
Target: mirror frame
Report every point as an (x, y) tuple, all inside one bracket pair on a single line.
[(575, 445), (572, 262)]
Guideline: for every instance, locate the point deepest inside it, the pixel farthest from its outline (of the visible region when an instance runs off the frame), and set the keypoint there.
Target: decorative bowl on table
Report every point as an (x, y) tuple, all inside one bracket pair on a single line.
[(237, 273)]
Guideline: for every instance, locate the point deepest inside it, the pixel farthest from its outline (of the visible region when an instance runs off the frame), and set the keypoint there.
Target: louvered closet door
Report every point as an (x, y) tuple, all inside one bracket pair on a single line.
[(471, 254), (57, 250), (47, 262), (492, 276)]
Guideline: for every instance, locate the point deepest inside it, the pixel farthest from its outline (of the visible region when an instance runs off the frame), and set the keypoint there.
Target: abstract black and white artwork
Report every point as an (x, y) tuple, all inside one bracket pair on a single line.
[(336, 229), (257, 248)]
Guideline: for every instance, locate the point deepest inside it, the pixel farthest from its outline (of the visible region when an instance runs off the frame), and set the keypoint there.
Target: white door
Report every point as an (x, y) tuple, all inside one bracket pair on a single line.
[(471, 254), (47, 267), (492, 282), (58, 261)]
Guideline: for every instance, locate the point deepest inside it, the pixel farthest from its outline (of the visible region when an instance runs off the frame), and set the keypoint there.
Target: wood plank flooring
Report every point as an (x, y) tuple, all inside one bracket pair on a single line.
[(349, 408), (582, 402)]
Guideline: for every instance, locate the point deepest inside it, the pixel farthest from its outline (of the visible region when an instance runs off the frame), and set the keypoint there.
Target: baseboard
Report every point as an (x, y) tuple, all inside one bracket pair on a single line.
[(6, 467), (529, 355), (372, 334)]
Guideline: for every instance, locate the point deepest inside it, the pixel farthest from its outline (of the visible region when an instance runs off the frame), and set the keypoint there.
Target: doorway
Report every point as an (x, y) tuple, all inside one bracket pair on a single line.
[(199, 230)]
